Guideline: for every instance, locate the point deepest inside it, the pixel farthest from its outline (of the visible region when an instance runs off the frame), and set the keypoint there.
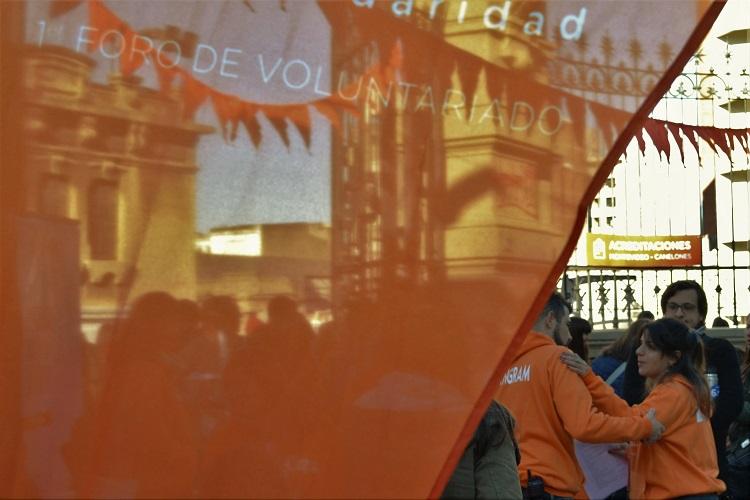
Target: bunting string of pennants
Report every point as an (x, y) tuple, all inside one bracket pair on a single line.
[(505, 84), (515, 86), (719, 139), (397, 37), (230, 110)]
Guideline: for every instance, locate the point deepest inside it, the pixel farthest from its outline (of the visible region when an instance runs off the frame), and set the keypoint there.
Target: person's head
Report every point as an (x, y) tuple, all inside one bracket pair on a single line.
[(646, 315), (281, 309), (157, 322), (221, 312), (685, 301), (623, 346), (669, 348), (720, 322), (553, 320), (579, 332)]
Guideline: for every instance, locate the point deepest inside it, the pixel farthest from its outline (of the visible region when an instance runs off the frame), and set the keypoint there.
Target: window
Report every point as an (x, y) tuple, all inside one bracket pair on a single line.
[(611, 202), (610, 182), (610, 220), (54, 196), (102, 220)]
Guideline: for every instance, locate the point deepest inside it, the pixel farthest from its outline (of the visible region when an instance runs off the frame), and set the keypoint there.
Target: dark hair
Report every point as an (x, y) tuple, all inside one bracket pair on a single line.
[(645, 315), (578, 328), (222, 311), (719, 322), (623, 346), (679, 286), (557, 305), (669, 336), (281, 308)]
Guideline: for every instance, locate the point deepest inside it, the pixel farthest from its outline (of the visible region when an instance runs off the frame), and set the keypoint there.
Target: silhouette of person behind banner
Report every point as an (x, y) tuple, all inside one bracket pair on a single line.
[(271, 386), (137, 439)]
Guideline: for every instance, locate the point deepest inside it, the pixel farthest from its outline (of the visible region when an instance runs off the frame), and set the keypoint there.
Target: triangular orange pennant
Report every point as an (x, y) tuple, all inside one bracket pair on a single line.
[(104, 22), (299, 116), (741, 136), (674, 129), (277, 116), (641, 141), (328, 109), (658, 133), (248, 117), (707, 136), (721, 139), (165, 71), (194, 93), (228, 109), (468, 74), (59, 7), (689, 131), (134, 53)]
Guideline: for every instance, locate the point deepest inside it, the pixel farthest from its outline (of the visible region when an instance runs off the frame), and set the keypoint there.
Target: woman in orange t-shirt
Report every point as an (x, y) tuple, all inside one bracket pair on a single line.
[(682, 464)]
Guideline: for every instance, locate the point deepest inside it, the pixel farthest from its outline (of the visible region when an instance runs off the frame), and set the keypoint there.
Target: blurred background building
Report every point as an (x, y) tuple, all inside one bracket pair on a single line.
[(257, 262), (118, 159)]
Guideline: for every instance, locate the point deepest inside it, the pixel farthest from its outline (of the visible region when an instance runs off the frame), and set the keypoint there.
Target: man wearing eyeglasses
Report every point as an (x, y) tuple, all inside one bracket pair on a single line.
[(686, 301)]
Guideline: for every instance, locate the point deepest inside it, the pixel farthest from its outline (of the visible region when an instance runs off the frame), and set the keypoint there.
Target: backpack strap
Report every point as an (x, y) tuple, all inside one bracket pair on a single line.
[(616, 373)]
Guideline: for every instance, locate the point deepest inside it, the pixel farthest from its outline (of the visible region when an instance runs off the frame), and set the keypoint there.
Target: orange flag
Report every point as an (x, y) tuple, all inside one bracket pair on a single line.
[(460, 168)]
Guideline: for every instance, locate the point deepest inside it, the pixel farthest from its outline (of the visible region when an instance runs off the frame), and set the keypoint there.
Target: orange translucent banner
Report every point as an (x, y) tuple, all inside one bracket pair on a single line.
[(284, 249)]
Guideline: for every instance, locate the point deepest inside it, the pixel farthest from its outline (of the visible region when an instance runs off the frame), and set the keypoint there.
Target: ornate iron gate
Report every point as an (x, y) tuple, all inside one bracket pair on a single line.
[(714, 90)]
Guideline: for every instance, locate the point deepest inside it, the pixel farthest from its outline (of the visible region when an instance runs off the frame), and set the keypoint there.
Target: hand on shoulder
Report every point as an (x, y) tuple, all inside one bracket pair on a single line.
[(575, 363)]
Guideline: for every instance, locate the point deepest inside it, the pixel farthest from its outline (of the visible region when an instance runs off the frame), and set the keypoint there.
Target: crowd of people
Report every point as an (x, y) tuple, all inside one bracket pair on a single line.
[(174, 387), (668, 400)]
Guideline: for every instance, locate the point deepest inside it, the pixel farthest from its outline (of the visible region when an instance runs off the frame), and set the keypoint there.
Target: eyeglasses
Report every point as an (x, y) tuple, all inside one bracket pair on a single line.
[(686, 307)]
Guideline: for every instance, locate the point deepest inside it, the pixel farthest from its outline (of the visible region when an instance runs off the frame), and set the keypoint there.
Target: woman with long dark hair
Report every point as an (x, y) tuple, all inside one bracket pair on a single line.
[(683, 462), (613, 358)]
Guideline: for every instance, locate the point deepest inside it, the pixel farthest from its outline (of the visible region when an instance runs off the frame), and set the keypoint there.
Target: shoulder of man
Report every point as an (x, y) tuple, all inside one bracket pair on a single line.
[(540, 351), (717, 345)]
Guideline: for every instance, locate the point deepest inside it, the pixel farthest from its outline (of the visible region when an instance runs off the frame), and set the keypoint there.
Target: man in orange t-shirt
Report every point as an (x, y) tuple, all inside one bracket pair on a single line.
[(552, 406)]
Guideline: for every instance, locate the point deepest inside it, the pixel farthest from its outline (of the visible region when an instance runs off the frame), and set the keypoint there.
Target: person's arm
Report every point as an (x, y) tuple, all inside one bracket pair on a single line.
[(584, 422), (602, 395), (633, 384), (728, 404)]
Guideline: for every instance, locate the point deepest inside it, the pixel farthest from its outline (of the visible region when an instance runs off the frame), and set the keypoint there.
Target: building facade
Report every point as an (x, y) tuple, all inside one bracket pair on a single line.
[(465, 190), (119, 159)]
